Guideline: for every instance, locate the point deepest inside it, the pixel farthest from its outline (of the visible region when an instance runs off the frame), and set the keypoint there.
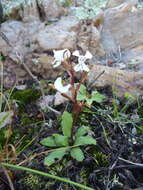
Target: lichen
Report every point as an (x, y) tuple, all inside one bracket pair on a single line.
[(90, 9), (33, 182)]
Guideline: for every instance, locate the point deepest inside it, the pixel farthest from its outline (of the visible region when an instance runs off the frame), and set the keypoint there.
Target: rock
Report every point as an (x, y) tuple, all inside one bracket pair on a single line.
[(13, 73), (88, 38), (60, 35), (13, 31), (21, 36), (84, 34), (41, 65), (95, 46), (45, 102), (52, 9), (122, 81), (122, 28), (25, 11), (32, 10), (59, 99), (115, 3)]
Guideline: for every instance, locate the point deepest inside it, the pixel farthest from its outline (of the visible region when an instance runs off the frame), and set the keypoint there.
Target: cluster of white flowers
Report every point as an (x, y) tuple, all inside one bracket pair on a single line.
[(63, 55)]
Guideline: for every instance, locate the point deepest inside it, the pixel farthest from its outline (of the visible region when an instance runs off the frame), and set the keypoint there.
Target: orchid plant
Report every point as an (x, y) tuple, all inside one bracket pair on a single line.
[(73, 137)]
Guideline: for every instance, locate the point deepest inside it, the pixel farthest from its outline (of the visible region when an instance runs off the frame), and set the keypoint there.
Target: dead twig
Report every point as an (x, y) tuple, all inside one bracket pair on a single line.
[(130, 162), (8, 178), (5, 39), (92, 82), (36, 80)]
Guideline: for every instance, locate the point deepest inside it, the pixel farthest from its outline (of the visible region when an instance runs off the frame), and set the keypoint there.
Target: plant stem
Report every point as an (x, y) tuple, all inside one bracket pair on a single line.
[(46, 175)]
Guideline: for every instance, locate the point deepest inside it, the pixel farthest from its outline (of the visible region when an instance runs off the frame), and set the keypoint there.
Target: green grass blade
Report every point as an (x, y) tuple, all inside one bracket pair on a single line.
[(46, 175)]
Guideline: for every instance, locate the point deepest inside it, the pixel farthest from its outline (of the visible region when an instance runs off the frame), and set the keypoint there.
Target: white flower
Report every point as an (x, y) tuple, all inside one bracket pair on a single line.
[(60, 55), (59, 86), (81, 66)]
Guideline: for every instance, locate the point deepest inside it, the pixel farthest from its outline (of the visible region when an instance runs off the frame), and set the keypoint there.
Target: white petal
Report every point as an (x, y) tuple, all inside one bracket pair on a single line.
[(81, 59), (77, 68), (88, 55), (58, 85), (66, 54), (65, 89), (76, 53), (56, 63), (61, 55), (58, 55), (81, 67), (85, 68)]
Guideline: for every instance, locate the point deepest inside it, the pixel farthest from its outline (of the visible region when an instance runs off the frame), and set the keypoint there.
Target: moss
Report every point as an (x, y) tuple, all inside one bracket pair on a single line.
[(101, 159), (66, 3), (83, 177), (26, 96), (33, 182), (25, 120)]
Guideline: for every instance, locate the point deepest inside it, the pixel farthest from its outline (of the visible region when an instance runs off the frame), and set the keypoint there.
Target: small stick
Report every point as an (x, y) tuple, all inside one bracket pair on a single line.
[(8, 178), (5, 39), (35, 78), (130, 162), (98, 76)]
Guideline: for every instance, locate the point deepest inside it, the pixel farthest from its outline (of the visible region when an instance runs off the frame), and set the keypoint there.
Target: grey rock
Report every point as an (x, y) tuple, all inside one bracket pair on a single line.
[(122, 81), (30, 10), (60, 35), (115, 3), (122, 28), (21, 36)]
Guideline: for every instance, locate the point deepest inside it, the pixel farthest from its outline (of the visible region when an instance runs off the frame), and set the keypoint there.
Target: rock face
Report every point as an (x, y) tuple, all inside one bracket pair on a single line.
[(52, 9), (122, 81), (115, 3), (32, 10), (21, 36), (59, 35), (122, 28)]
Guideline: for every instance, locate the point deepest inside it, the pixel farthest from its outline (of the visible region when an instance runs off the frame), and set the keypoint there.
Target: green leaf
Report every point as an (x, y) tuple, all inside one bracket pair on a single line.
[(97, 97), (85, 140), (82, 131), (82, 94), (49, 141), (54, 156), (77, 154), (61, 140), (5, 118), (89, 101), (67, 121)]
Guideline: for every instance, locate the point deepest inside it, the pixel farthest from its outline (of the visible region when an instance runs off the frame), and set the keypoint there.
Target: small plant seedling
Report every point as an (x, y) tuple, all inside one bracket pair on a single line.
[(64, 144)]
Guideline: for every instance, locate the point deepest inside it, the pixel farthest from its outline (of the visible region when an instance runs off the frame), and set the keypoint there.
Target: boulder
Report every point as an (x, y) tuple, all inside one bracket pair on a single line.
[(32, 10), (52, 9), (122, 28), (115, 3), (59, 35), (21, 36), (122, 81)]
